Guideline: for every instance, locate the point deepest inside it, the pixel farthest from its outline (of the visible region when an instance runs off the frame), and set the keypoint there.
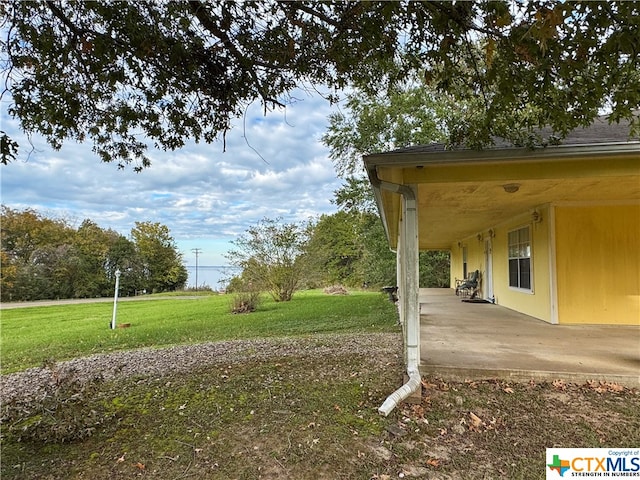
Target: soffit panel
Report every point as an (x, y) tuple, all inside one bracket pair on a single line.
[(458, 200), (451, 211)]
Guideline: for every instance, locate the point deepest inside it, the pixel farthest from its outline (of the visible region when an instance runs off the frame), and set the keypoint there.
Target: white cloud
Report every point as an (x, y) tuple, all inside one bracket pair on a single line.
[(274, 166)]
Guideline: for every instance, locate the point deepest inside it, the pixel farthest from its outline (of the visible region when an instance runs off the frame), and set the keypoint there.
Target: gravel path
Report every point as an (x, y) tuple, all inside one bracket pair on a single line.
[(184, 358)]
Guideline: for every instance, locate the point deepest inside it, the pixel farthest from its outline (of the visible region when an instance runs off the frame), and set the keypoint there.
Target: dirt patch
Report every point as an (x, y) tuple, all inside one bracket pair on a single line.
[(336, 290)]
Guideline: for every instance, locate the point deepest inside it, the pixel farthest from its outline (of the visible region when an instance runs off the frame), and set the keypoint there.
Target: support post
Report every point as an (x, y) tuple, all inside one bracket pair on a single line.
[(400, 282), (410, 309), (411, 277)]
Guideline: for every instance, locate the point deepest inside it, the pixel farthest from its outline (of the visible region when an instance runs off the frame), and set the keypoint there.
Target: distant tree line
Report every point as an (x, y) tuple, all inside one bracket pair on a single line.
[(45, 258), (348, 248)]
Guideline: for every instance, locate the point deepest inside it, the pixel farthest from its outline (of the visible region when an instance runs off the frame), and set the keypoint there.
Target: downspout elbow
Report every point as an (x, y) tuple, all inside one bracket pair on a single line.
[(412, 385), (403, 190)]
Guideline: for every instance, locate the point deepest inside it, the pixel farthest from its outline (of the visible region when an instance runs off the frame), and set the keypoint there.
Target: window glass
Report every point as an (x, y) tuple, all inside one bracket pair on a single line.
[(520, 258)]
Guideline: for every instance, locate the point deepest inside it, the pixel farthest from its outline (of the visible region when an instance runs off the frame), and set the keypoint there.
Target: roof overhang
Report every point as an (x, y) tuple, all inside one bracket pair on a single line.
[(462, 192)]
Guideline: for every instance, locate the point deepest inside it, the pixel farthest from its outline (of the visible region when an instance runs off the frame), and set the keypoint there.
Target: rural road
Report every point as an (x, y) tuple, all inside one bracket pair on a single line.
[(71, 301)]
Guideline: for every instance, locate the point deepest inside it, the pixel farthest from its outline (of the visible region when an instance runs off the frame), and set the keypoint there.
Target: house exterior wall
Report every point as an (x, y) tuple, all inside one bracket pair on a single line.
[(594, 249), (598, 263), (536, 301), (455, 265), (475, 258)]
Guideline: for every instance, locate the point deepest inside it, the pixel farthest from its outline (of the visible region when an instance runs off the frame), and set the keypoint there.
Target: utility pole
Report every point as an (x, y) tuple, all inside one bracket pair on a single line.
[(197, 252)]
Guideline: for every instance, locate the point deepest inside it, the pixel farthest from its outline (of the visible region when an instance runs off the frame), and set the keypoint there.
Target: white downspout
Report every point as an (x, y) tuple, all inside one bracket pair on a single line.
[(410, 306), (393, 400)]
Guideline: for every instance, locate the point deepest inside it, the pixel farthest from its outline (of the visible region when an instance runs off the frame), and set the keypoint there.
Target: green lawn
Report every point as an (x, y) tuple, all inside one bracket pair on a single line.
[(31, 335), (306, 414)]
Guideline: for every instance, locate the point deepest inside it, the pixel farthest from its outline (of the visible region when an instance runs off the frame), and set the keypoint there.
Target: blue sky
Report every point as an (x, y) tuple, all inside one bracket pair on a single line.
[(205, 196)]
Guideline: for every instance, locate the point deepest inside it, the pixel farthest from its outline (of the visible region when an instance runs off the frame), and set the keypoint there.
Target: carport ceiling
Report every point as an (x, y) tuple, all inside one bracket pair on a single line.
[(451, 211), (458, 199)]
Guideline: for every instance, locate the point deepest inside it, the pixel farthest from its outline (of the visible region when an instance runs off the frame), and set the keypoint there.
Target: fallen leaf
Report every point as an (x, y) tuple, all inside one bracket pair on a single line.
[(614, 387), (476, 422), (602, 387), (426, 384), (434, 462), (493, 424), (418, 410), (139, 465)]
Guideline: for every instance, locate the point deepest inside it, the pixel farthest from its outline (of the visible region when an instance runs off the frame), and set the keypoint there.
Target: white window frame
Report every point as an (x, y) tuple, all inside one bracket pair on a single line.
[(518, 251)]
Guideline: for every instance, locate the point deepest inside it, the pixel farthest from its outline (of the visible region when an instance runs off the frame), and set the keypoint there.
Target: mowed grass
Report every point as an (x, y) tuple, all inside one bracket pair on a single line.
[(33, 335), (299, 414)]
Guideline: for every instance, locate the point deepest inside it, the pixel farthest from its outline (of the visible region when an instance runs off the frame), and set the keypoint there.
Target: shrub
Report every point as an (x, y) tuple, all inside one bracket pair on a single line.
[(245, 301), (201, 288), (235, 284), (271, 255)]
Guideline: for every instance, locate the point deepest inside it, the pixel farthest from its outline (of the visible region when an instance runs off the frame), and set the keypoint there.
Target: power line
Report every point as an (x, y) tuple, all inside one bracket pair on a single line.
[(197, 252)]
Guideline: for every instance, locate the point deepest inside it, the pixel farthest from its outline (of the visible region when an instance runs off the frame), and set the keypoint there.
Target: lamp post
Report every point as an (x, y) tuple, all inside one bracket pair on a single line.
[(115, 300)]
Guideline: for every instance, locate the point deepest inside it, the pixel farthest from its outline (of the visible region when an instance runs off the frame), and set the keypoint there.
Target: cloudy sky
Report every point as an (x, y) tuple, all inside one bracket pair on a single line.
[(204, 195)]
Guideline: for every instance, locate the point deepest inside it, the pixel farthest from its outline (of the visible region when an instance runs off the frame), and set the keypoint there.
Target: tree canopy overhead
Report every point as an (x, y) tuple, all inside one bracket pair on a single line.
[(127, 74)]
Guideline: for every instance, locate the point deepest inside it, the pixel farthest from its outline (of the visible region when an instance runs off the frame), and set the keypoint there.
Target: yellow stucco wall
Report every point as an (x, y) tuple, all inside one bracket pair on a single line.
[(455, 269), (598, 264), (475, 258), (536, 302)]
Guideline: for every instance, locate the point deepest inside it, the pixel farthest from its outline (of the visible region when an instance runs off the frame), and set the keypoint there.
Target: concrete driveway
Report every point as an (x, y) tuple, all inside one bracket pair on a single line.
[(468, 340)]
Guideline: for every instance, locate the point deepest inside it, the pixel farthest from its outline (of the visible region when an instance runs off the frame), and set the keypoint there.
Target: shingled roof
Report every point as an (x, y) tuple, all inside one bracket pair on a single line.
[(600, 132)]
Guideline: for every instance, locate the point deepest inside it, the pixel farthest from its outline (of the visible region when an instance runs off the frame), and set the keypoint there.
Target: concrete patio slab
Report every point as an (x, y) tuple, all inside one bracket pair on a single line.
[(470, 340)]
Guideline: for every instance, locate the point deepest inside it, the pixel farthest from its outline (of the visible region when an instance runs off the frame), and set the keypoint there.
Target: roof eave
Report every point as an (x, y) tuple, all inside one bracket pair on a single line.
[(409, 159)]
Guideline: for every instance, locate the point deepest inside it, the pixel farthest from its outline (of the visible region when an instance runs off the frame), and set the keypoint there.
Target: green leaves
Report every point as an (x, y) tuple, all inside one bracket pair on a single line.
[(8, 148), (271, 255), (162, 263), (124, 75), (44, 258), (375, 123)]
